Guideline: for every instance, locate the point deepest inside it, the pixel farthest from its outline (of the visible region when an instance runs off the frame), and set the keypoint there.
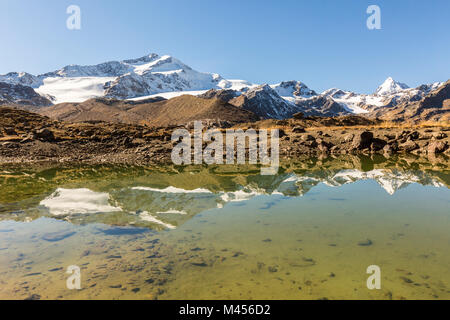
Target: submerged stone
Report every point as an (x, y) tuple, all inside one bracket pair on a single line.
[(121, 231), (58, 236), (365, 243)]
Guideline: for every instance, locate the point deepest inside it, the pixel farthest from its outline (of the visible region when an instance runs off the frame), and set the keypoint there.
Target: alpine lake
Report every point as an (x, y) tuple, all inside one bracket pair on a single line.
[(227, 232)]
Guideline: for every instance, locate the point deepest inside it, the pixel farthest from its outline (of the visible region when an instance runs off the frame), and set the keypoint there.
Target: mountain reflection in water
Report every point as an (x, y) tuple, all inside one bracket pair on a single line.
[(166, 197), (226, 232)]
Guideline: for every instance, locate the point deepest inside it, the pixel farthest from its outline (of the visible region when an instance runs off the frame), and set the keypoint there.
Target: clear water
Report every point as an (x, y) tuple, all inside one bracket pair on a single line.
[(224, 232)]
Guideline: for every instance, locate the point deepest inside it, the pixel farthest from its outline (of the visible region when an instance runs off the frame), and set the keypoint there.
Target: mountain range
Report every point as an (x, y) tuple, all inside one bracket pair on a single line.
[(166, 77)]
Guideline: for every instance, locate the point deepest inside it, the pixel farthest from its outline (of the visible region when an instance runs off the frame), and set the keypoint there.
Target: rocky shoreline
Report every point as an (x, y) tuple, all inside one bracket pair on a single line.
[(26, 137)]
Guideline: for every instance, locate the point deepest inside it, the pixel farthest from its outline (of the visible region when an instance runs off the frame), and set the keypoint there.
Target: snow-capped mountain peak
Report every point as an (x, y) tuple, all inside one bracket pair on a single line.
[(390, 86), (161, 64), (166, 76), (293, 89), (334, 93), (264, 101), (147, 75), (22, 78), (142, 60)]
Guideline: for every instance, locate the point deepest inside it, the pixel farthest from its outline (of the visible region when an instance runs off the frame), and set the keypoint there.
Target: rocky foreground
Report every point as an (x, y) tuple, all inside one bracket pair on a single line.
[(28, 137)]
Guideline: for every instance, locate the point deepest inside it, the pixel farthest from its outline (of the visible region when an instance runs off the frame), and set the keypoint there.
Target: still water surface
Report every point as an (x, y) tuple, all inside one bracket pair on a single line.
[(224, 232)]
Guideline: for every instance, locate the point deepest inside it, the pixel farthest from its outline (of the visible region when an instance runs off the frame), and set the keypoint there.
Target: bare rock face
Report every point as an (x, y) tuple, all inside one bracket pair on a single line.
[(224, 95), (293, 88), (298, 116), (323, 106), (437, 98), (363, 140), (266, 103), (20, 94), (434, 106)]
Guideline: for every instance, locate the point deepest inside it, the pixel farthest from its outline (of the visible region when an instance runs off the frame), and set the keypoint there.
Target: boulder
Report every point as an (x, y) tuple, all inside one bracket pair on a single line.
[(45, 135), (437, 147), (362, 140), (298, 129), (349, 138), (409, 146), (377, 144)]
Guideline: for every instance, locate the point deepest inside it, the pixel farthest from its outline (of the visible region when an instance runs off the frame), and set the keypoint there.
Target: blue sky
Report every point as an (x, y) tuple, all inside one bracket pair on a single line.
[(324, 43)]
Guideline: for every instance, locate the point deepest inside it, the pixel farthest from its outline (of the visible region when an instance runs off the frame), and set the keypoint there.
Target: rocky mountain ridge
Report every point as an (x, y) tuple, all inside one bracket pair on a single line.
[(153, 75)]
